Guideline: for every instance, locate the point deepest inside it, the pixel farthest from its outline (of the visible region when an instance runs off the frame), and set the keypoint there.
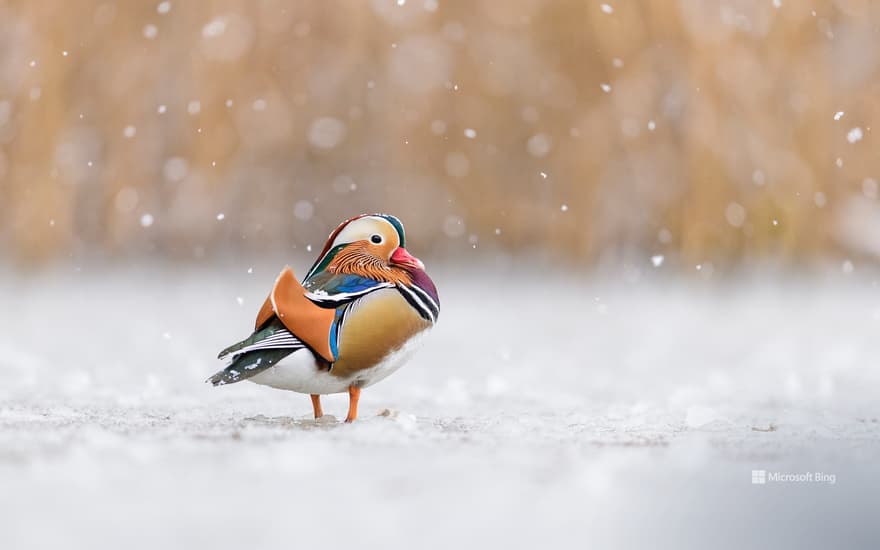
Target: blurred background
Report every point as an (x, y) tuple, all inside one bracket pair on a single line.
[(690, 132), (160, 160)]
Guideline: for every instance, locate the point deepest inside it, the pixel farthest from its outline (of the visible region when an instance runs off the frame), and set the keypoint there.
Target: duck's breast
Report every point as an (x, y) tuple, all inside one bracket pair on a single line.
[(375, 333)]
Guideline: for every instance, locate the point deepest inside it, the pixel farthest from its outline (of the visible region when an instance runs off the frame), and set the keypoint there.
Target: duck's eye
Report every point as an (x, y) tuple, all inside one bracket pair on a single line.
[(376, 239)]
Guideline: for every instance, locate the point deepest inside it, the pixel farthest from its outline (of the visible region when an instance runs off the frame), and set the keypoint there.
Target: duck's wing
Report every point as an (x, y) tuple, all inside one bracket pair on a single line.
[(313, 312), (307, 321), (261, 350), (332, 290)]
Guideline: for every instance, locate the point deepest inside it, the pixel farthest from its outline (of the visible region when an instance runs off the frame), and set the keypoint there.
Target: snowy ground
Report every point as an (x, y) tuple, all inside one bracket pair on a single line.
[(541, 412)]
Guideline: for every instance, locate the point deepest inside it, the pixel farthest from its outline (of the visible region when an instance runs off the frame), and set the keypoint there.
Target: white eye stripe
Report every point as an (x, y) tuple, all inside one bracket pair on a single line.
[(364, 229)]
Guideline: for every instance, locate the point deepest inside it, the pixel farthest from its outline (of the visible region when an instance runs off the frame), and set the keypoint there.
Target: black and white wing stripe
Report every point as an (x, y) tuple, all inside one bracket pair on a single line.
[(256, 353), (281, 339), (421, 301), (326, 299)]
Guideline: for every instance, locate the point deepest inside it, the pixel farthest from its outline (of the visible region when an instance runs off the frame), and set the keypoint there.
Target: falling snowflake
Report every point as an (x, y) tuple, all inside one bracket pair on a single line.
[(854, 135), (326, 132)]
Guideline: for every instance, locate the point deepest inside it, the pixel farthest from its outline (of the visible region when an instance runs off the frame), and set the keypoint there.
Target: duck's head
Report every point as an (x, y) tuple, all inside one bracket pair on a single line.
[(365, 244)]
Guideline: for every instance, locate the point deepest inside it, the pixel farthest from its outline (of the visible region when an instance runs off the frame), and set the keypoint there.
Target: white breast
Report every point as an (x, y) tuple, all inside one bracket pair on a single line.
[(389, 364), (300, 372)]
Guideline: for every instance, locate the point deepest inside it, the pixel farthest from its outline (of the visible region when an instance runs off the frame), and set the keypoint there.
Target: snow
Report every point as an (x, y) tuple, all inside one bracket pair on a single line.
[(735, 214), (303, 210), (539, 145), (175, 169), (530, 418), (420, 64), (214, 28), (326, 132), (227, 37), (453, 226), (854, 135)]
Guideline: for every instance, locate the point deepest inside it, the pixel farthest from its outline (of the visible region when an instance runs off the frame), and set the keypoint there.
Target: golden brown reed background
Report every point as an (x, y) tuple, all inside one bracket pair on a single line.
[(704, 131)]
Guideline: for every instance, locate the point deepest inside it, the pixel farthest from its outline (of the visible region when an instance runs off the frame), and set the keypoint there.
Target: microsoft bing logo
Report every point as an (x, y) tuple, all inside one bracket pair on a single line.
[(763, 477)]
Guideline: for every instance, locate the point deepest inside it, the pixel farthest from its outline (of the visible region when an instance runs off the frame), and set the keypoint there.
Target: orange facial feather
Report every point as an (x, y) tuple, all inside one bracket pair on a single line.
[(363, 259)]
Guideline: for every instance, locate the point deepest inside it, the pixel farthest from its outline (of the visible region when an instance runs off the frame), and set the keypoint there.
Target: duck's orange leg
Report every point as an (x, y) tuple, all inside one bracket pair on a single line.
[(354, 393), (316, 406)]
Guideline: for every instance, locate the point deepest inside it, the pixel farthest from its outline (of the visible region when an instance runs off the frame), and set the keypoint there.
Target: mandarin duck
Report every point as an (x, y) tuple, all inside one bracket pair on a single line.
[(355, 318)]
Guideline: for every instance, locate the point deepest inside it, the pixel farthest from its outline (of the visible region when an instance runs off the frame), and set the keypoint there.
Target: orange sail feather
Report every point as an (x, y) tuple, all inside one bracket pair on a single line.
[(307, 321)]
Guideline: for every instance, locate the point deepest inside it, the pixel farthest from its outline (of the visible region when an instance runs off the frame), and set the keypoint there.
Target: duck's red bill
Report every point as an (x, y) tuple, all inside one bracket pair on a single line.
[(402, 257)]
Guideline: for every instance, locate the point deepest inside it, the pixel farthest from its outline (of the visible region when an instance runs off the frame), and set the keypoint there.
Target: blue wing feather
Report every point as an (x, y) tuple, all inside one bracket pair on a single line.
[(335, 289), (349, 283)]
